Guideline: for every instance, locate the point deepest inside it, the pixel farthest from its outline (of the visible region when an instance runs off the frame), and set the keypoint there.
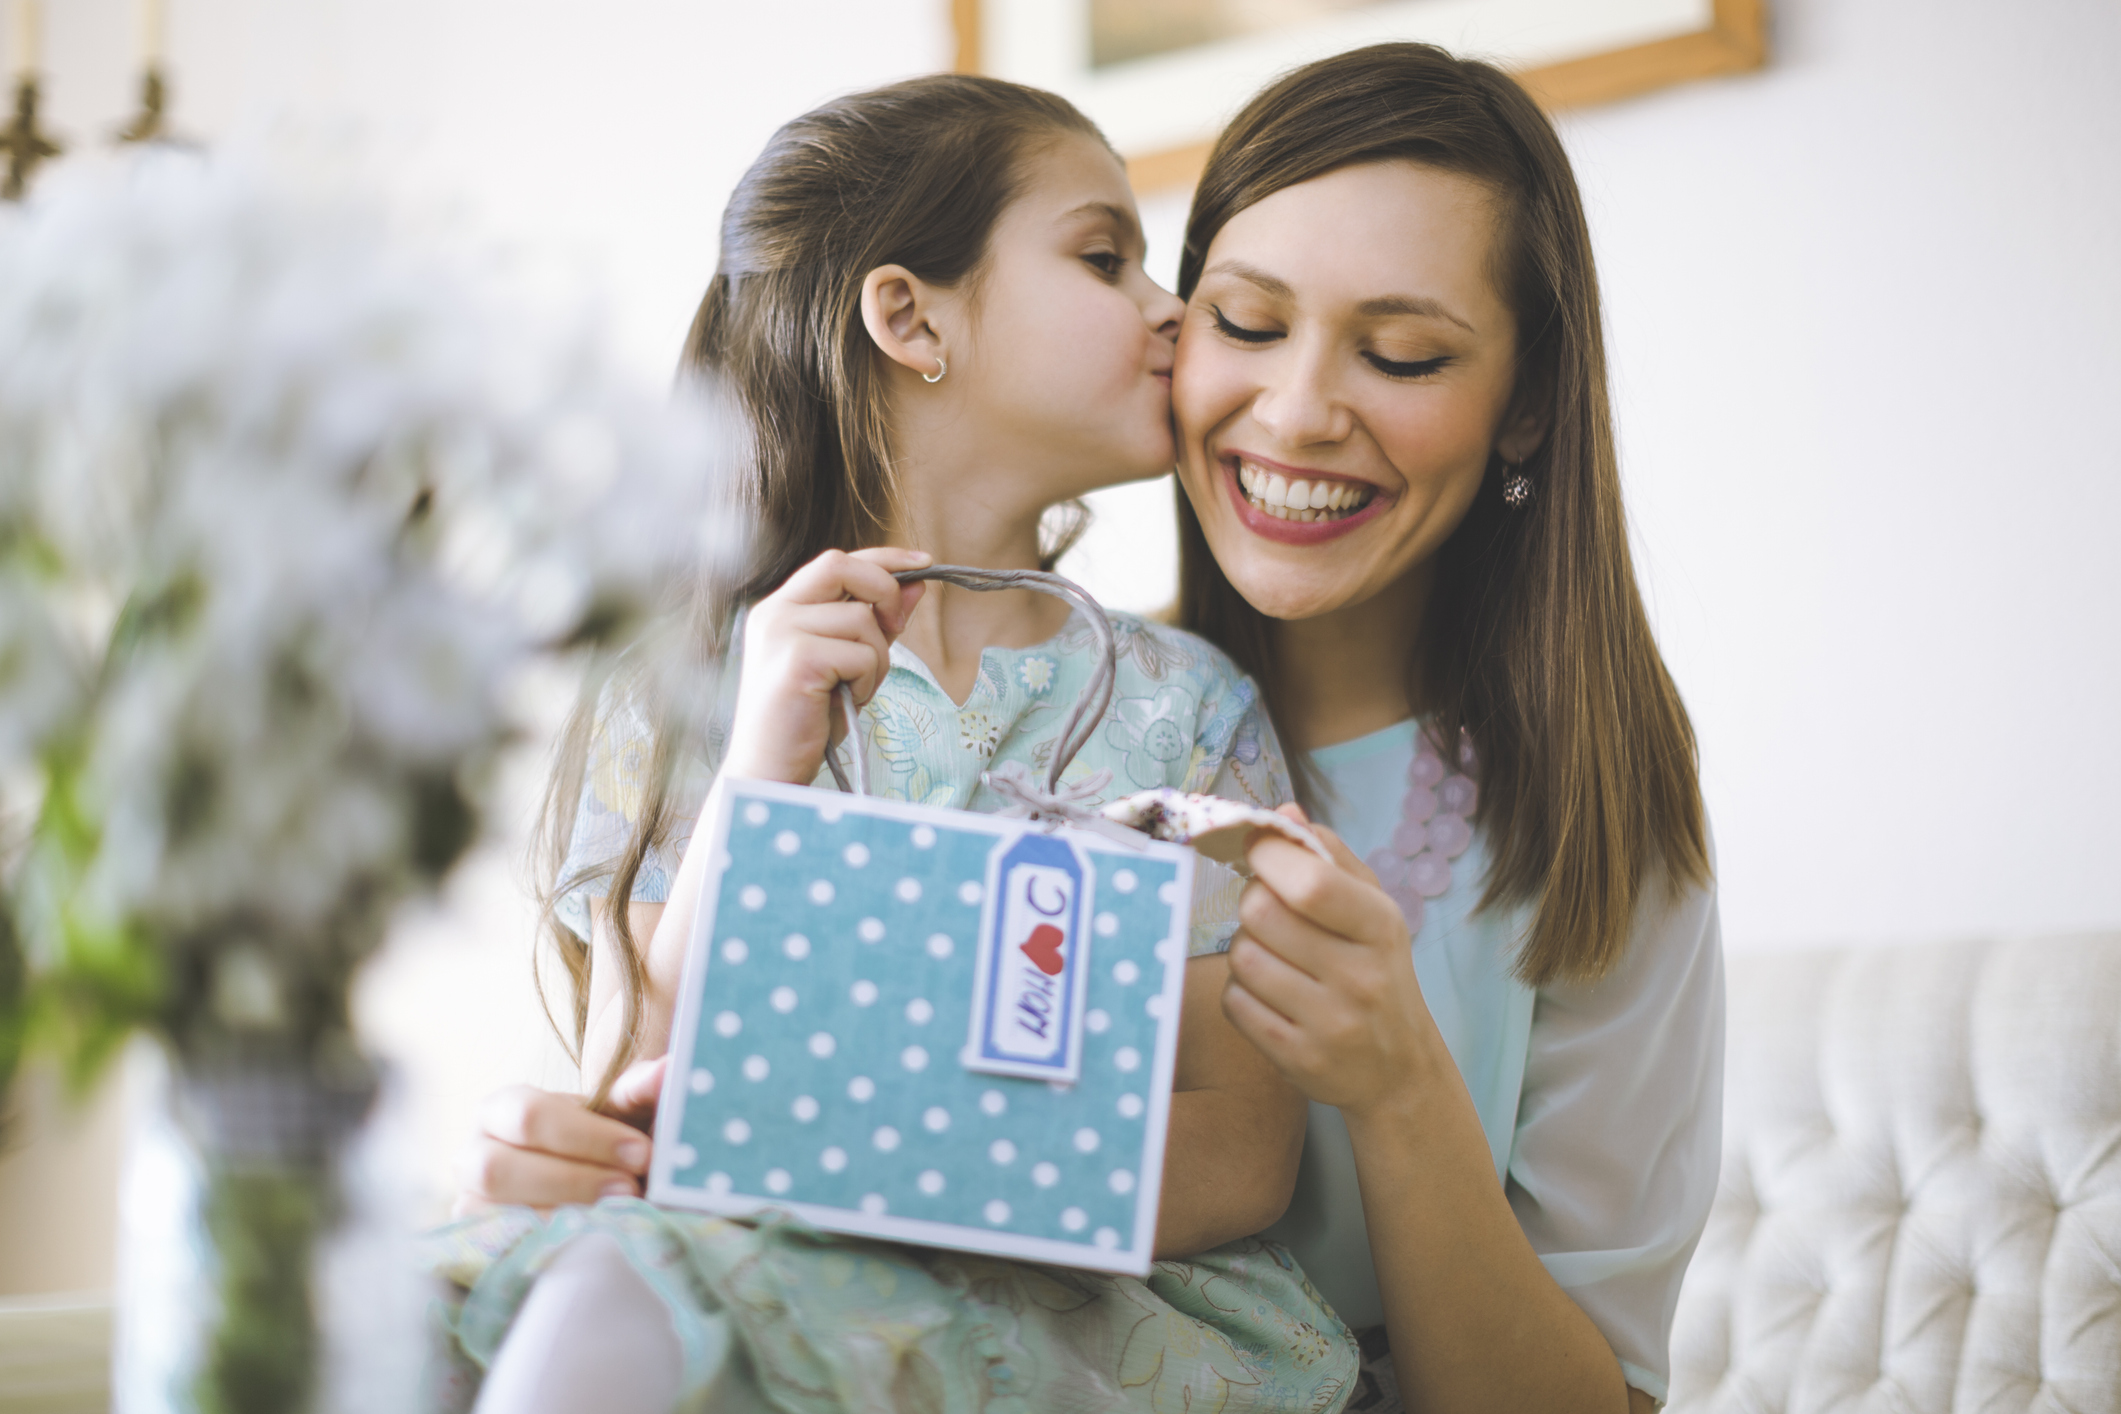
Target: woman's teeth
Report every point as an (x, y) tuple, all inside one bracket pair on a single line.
[(1284, 499)]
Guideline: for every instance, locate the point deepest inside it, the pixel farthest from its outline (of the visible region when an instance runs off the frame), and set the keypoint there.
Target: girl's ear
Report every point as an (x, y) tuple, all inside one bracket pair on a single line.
[(898, 309)]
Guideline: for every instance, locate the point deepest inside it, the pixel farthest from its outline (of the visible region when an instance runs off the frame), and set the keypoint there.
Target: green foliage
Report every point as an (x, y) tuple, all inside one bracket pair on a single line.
[(444, 823), (264, 1224), (14, 998), (105, 977)]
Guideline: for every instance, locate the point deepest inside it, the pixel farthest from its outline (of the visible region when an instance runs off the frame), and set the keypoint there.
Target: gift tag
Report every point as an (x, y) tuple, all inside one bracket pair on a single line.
[(927, 1025), (1033, 960)]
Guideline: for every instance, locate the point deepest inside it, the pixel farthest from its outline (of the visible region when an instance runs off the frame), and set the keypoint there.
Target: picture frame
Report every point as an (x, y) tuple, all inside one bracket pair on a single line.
[(1163, 108)]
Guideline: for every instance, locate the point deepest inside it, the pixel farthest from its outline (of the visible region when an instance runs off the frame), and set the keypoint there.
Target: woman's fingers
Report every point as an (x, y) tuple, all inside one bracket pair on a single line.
[(562, 1127), (1278, 1038), (1264, 919), (1333, 896), (1278, 983), (1346, 858)]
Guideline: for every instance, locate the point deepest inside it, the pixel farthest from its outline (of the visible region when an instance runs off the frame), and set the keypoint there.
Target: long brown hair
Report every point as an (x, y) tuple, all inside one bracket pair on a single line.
[(914, 174), (1535, 642)]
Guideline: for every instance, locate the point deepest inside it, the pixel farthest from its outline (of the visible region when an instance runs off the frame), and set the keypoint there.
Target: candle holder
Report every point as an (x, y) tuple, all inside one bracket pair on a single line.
[(149, 124), (26, 145)]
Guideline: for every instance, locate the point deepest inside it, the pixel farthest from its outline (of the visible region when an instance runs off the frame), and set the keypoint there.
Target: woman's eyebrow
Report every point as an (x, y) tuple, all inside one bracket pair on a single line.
[(1379, 307), (1252, 275), (1420, 306)]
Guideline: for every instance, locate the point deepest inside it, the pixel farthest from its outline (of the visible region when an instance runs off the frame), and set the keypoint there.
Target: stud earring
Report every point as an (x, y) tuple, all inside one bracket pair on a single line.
[(940, 369), (1516, 488)]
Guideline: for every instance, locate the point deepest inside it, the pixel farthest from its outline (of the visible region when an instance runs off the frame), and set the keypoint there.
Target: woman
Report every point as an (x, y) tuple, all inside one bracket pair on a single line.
[(1392, 308), (1402, 515)]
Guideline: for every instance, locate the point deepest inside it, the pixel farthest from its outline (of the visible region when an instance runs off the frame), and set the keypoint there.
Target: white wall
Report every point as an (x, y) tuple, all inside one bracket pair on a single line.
[(607, 134), (1865, 313), (1866, 323)]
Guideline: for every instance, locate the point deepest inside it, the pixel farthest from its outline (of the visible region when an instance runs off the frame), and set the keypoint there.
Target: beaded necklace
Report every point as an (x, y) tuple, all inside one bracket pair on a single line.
[(1414, 865)]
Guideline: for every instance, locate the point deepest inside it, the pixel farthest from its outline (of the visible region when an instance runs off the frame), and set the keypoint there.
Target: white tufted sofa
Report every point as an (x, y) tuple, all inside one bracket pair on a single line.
[(1920, 1210)]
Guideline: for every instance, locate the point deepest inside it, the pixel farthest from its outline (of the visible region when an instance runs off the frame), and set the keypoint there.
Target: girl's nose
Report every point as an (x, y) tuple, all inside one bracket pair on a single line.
[(1163, 311)]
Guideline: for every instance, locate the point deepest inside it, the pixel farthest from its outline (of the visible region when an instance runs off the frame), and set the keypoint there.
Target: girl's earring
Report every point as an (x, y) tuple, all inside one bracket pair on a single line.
[(1516, 488), (940, 369)]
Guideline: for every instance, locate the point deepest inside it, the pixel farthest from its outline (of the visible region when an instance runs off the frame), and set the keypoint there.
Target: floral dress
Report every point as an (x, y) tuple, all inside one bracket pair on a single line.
[(830, 1323)]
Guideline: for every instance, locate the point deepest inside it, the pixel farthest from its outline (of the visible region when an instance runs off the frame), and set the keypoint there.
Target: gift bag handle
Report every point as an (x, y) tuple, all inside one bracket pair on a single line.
[(1090, 705)]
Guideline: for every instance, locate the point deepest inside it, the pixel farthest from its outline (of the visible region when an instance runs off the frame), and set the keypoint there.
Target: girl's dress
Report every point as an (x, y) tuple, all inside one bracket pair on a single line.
[(1602, 1103), (831, 1323)]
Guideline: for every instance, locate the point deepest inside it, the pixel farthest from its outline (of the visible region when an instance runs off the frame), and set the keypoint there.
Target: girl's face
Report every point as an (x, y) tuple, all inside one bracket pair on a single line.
[(1064, 373), (1345, 368)]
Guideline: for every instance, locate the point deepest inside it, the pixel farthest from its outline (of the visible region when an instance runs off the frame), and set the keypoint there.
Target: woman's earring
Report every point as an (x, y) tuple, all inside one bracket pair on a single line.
[(940, 369), (1516, 488)]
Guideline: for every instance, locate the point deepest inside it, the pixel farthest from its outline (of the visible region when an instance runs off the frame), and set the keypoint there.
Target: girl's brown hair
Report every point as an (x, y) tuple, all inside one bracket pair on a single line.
[(1535, 642), (914, 174)]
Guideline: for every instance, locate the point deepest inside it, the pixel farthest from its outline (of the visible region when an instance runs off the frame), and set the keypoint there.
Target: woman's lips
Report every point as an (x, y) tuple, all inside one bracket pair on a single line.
[(1295, 532)]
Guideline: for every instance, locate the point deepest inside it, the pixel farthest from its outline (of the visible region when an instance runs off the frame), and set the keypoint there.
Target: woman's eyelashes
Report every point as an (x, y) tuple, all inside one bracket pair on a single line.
[(1239, 332), (1108, 263), (1393, 368), (1398, 369)]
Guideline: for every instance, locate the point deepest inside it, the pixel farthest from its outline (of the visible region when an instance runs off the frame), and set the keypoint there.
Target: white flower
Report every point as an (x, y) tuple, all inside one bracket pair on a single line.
[(282, 508)]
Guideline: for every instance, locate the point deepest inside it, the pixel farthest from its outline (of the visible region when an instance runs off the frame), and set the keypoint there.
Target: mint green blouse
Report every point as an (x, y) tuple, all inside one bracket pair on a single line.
[(1602, 1102)]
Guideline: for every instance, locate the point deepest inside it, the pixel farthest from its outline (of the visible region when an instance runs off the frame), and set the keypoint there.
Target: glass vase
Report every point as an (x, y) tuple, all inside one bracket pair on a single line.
[(262, 1268)]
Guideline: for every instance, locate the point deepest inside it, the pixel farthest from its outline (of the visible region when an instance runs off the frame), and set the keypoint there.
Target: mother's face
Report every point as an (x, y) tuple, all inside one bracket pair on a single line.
[(1345, 368)]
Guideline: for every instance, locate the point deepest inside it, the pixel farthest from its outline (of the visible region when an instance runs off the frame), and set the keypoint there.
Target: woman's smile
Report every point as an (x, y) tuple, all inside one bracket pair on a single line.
[(1297, 506)]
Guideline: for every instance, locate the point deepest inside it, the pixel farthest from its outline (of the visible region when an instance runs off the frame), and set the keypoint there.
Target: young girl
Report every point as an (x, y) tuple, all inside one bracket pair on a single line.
[(931, 305)]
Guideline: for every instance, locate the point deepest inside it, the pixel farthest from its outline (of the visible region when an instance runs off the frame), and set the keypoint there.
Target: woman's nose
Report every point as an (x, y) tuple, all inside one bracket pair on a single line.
[(1298, 404)]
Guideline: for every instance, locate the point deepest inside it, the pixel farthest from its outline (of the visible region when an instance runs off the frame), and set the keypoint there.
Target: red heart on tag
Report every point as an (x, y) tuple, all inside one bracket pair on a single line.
[(1043, 949)]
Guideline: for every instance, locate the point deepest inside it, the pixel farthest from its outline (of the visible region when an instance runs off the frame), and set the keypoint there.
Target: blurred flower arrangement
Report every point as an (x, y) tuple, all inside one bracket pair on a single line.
[(282, 510)]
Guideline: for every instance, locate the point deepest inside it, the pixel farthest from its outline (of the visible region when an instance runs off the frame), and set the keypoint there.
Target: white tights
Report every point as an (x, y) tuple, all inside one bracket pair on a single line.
[(592, 1338)]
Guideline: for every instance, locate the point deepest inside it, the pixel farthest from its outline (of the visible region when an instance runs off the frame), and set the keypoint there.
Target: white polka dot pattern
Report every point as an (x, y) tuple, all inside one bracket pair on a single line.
[(845, 947)]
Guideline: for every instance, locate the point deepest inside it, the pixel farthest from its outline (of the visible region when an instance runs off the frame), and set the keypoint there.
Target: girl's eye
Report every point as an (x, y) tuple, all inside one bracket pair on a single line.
[(1391, 368), (1239, 332), (1107, 263)]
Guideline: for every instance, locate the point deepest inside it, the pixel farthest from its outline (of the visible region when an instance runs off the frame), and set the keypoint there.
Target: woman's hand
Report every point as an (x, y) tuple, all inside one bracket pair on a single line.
[(831, 622), (1322, 981), (1322, 976), (539, 1149)]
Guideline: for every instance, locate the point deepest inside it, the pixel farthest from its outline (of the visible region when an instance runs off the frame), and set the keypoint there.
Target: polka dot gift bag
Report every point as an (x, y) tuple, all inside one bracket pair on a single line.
[(928, 1025)]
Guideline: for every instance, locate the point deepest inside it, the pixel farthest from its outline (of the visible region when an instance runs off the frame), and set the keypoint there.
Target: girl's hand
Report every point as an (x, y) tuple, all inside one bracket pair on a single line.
[(832, 622), (539, 1149), (1322, 976)]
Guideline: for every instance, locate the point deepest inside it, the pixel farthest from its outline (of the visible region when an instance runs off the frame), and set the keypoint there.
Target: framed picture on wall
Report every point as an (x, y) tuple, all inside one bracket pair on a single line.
[(1162, 76)]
